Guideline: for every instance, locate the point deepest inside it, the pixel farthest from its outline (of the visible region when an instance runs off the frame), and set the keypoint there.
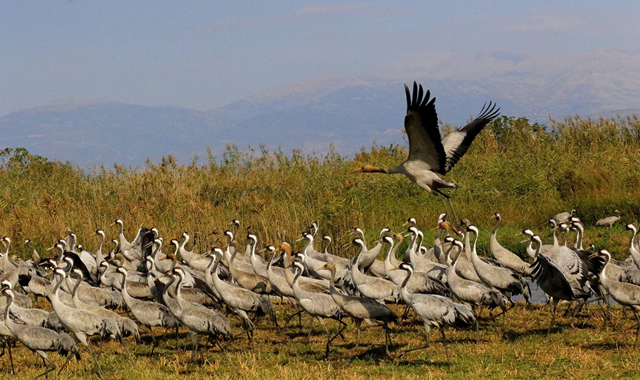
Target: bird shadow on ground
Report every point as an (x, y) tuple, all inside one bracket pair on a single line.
[(430, 362), (608, 345), (511, 335)]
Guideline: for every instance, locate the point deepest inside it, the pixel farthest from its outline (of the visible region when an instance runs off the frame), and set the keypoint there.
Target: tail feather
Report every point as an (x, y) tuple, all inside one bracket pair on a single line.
[(464, 315), (267, 309), (66, 344), (128, 327)]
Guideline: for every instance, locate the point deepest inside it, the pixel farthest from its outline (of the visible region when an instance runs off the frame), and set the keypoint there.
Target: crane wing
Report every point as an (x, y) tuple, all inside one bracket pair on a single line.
[(421, 124), (458, 142), (552, 279)]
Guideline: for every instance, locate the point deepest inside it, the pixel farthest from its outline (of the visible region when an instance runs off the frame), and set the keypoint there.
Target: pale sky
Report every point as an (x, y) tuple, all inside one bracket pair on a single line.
[(204, 55)]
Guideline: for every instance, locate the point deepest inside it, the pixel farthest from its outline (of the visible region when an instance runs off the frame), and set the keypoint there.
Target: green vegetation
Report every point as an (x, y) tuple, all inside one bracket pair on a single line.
[(528, 172)]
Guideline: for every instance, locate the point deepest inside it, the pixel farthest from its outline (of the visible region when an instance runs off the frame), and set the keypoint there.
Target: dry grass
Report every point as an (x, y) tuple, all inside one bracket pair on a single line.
[(525, 171), (522, 349)]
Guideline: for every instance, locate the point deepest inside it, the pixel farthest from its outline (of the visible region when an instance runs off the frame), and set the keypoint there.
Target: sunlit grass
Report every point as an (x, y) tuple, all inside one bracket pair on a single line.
[(520, 349)]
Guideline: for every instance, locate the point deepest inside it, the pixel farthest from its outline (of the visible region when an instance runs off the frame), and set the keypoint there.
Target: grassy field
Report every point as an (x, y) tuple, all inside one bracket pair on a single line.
[(520, 349), (527, 172)]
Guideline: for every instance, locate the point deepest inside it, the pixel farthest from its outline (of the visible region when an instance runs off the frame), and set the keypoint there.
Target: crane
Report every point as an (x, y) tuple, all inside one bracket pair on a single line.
[(199, 319), (505, 257), (38, 339), (609, 221), (318, 305), (475, 293), (623, 293), (554, 281), (500, 278), (239, 300), (148, 313), (361, 309), (429, 156), (434, 310)]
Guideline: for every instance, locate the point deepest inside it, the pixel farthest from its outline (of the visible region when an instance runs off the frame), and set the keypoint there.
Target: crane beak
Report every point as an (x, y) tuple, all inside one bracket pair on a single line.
[(519, 234), (437, 228), (524, 241), (391, 270)]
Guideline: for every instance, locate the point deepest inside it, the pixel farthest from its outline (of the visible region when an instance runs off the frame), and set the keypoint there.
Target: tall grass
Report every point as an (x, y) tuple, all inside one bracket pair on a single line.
[(526, 171)]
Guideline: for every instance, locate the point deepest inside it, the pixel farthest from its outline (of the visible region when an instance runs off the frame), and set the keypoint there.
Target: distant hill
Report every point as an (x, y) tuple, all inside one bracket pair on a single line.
[(346, 111)]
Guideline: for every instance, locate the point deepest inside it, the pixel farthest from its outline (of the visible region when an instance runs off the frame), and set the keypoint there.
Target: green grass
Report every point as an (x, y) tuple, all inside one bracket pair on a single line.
[(521, 349), (527, 172)]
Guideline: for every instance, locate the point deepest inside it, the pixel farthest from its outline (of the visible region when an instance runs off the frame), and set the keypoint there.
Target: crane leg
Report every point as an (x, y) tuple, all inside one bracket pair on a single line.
[(310, 329), (299, 314), (358, 325), (339, 333), (69, 357), (635, 342), (194, 350), (153, 340), (553, 314), (6, 343), (444, 342), (448, 199), (50, 367), (387, 339)]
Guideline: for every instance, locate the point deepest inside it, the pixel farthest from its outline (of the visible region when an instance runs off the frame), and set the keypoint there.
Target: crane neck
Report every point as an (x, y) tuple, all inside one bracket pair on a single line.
[(579, 237), (450, 260), (474, 253), (603, 272), (633, 237), (406, 280), (555, 239), (398, 169), (494, 233), (7, 320), (99, 250), (184, 243), (467, 245)]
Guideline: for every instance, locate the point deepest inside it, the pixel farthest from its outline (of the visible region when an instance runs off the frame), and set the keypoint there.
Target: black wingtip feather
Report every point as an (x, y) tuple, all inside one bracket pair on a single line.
[(489, 112), (415, 93), (406, 91)]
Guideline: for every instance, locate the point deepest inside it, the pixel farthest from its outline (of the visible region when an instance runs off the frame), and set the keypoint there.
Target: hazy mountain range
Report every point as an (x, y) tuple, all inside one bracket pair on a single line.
[(349, 111)]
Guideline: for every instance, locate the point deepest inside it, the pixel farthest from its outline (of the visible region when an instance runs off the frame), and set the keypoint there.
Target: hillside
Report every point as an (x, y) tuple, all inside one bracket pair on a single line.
[(348, 111)]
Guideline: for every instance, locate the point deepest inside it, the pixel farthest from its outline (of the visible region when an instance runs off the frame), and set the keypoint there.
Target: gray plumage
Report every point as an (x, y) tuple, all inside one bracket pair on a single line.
[(434, 310), (39, 339), (360, 308), (564, 217), (418, 283), (81, 322), (237, 299), (199, 319), (369, 286), (505, 257), (475, 293), (318, 305), (609, 221), (126, 326), (496, 277)]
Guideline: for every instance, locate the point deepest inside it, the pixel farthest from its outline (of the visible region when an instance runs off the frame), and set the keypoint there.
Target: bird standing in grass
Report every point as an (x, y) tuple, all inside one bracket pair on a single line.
[(609, 221), (429, 156)]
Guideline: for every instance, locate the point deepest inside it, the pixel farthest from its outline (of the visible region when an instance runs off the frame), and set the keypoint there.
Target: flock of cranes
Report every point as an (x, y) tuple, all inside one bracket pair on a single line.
[(215, 292), (209, 293)]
